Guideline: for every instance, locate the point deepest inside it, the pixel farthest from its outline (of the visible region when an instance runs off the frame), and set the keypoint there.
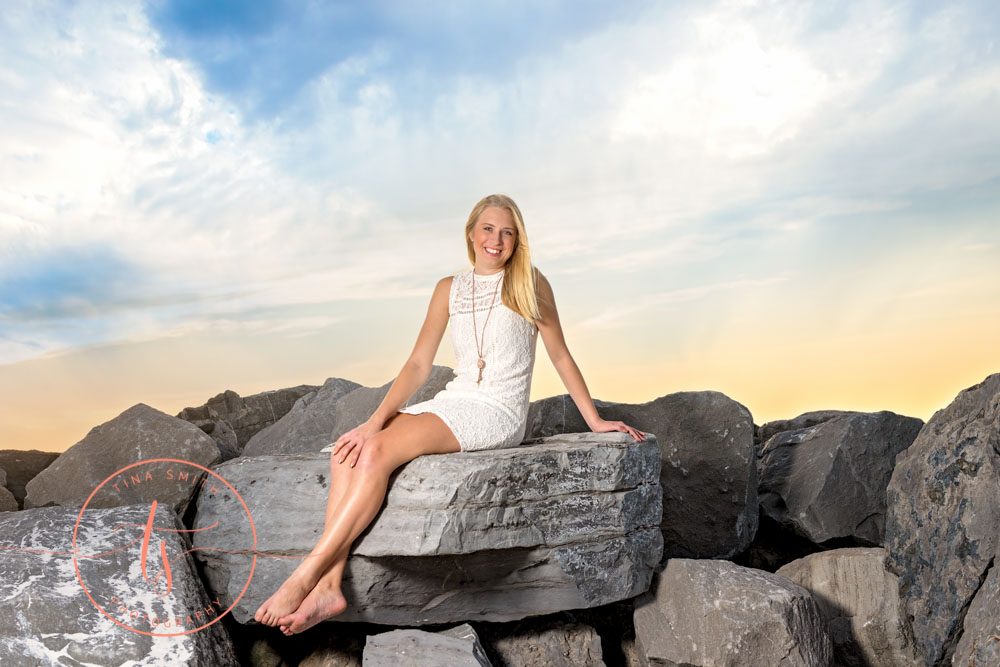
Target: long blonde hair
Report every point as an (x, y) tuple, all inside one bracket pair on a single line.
[(518, 291)]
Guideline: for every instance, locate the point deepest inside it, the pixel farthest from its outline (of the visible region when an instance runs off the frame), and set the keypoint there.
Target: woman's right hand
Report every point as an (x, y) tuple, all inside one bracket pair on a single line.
[(349, 445)]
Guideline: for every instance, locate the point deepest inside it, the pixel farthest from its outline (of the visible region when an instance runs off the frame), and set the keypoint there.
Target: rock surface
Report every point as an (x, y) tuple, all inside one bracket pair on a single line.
[(710, 612), (138, 434), (708, 474), (357, 406), (859, 599), (231, 420), (551, 644), (828, 481), (944, 516), (455, 647), (805, 420), (306, 427), (22, 465), (567, 522), (48, 619), (980, 643)]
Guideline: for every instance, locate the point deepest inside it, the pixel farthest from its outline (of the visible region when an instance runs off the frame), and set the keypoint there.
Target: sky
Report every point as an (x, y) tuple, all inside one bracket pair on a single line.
[(793, 203)]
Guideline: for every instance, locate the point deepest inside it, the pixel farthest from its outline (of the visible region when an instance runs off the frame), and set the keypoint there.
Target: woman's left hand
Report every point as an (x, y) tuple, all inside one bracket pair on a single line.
[(604, 426)]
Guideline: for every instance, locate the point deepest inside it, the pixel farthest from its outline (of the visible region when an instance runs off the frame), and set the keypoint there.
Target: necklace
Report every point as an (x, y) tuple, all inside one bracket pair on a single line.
[(475, 332)]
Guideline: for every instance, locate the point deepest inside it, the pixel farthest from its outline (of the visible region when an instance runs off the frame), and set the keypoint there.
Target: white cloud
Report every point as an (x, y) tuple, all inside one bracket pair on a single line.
[(651, 305), (624, 149)]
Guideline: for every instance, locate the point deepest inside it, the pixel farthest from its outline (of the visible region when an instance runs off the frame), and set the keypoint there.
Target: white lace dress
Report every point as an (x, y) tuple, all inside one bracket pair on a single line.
[(493, 413)]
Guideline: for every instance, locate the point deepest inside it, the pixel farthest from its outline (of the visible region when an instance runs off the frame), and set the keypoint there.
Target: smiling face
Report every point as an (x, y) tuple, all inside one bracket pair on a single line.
[(493, 238)]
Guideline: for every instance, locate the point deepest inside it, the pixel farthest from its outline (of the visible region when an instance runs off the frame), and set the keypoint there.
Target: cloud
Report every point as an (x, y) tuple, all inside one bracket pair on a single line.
[(158, 172), (651, 305)]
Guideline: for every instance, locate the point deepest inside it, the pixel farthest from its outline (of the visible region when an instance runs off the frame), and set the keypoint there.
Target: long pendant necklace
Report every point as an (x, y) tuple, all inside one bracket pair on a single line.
[(475, 331)]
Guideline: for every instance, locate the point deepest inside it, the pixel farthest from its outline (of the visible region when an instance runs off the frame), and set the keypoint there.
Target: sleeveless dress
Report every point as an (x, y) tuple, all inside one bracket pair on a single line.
[(493, 413)]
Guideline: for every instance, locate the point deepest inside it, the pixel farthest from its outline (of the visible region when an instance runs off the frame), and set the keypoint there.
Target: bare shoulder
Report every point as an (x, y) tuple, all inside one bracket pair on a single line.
[(442, 291), (541, 282)]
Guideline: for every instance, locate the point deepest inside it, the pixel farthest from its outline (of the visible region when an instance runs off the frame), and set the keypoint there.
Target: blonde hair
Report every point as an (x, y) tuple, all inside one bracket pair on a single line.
[(518, 291)]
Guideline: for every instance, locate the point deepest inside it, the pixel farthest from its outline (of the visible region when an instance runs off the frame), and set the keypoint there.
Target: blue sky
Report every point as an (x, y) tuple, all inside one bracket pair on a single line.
[(174, 170)]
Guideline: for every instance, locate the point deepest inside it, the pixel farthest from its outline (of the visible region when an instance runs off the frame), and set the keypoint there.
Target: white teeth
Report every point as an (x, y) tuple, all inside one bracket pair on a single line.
[(491, 252)]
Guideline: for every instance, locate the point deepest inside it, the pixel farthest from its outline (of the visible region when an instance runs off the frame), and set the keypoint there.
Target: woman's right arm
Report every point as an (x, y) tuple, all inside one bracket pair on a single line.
[(413, 374)]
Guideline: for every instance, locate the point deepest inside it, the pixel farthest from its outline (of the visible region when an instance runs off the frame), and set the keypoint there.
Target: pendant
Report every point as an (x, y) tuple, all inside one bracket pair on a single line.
[(482, 365)]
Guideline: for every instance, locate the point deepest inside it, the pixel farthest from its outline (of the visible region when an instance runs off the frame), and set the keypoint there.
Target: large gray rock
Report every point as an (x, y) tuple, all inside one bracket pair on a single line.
[(980, 643), (709, 473), (49, 620), (859, 599), (8, 503), (543, 642), (828, 481), (231, 420), (568, 522), (944, 516), (455, 647), (140, 433), (22, 465), (306, 427), (711, 612), (805, 420), (356, 407)]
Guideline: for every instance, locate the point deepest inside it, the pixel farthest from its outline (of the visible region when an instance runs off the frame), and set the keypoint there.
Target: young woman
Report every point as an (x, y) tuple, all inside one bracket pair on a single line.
[(496, 310)]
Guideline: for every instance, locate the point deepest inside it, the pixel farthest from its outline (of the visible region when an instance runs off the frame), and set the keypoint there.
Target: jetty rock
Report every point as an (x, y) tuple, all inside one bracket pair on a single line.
[(8, 503), (306, 427), (709, 464), (859, 599), (943, 523), (21, 466), (828, 481), (565, 522), (131, 440), (232, 420), (454, 647), (51, 618), (713, 612)]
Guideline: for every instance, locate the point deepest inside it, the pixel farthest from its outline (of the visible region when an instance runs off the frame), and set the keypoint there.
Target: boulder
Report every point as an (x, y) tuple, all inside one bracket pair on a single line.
[(562, 523), (980, 642), (805, 420), (828, 481), (859, 599), (22, 465), (48, 619), (138, 434), (549, 642), (232, 420), (944, 516), (8, 503), (711, 612), (709, 473), (356, 407), (455, 647), (306, 427)]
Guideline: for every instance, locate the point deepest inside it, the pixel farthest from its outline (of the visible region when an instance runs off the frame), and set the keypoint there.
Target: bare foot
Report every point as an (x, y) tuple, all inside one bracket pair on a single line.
[(284, 601), (318, 606)]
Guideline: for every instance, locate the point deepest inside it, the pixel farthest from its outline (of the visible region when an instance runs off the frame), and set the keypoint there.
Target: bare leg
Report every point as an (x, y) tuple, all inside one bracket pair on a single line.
[(406, 438), (340, 480), (327, 596)]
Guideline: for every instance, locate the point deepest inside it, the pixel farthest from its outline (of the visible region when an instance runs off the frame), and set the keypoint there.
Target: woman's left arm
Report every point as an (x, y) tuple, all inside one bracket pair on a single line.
[(569, 372)]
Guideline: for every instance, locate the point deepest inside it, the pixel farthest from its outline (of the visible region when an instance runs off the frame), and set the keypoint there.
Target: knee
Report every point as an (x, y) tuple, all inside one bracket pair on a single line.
[(373, 454), (337, 468)]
